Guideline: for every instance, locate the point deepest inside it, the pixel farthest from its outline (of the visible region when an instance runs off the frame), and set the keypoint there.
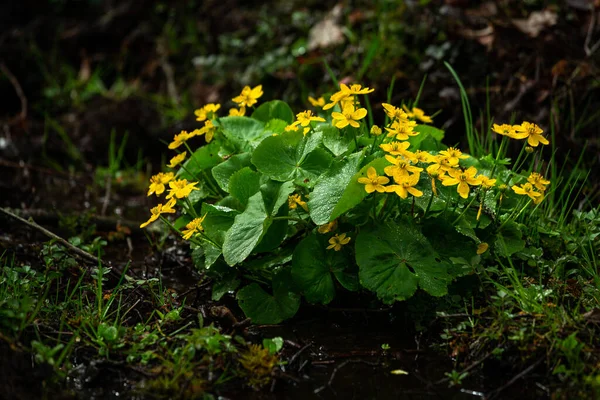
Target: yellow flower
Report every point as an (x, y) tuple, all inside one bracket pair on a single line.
[(405, 185), (396, 148), (434, 173), (401, 166), (179, 139), (532, 132), (158, 182), (373, 182), (195, 132), (248, 97), (527, 190), (345, 93), (192, 227), (375, 130), (463, 179), (402, 129), (423, 156), (209, 129), (355, 89), (486, 182), (207, 112), (337, 241), (418, 114), (482, 247), (175, 161), (237, 112), (452, 156), (330, 227), (181, 188), (395, 113), (294, 128), (348, 116), (320, 102), (305, 117), (504, 130), (538, 181), (295, 200), (158, 210)]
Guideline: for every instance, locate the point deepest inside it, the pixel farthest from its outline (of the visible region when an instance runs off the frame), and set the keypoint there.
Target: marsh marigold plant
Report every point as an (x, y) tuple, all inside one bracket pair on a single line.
[(280, 204)]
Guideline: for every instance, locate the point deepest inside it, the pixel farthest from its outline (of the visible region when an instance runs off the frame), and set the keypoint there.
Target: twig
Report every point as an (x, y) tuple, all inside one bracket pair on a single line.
[(336, 369), (82, 254), (293, 358), (107, 223), (19, 90), (521, 374), (470, 367)]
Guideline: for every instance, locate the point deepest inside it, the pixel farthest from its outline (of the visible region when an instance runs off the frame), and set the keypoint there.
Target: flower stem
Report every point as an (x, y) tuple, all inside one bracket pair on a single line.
[(428, 204)]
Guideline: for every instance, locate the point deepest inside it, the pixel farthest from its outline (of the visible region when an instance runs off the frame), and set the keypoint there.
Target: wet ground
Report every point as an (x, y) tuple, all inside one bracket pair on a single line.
[(330, 352)]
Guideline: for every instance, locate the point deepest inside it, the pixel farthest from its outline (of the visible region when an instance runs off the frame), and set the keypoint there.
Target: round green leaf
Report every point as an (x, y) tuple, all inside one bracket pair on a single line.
[(312, 267), (223, 171), (275, 109), (395, 259)]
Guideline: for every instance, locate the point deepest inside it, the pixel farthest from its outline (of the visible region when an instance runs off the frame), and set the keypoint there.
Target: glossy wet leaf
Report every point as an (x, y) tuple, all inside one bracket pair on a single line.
[(335, 140), (291, 156), (256, 223), (243, 132), (217, 221), (313, 267), (246, 231), (204, 158), (395, 259), (223, 171), (243, 184), (338, 190), (275, 109)]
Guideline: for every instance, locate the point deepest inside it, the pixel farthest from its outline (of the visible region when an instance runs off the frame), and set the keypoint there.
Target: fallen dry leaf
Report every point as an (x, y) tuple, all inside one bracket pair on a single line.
[(536, 23), (327, 32)]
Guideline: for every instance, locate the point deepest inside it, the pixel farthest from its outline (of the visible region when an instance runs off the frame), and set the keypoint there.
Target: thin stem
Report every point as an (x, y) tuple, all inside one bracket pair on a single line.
[(428, 204), (504, 140), (464, 211)]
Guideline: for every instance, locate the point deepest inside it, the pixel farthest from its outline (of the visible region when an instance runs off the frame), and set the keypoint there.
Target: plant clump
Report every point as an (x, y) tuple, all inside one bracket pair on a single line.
[(322, 200)]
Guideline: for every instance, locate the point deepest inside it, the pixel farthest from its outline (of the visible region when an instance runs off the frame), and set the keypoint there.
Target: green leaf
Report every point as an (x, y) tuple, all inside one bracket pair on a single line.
[(264, 308), (205, 255), (429, 138), (338, 190), (312, 267), (330, 188), (442, 236), (204, 158), (229, 282), (217, 221), (509, 240), (245, 133), (273, 345), (335, 140), (276, 126), (275, 194), (223, 171), (246, 231), (275, 109), (394, 259), (289, 157), (243, 184)]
